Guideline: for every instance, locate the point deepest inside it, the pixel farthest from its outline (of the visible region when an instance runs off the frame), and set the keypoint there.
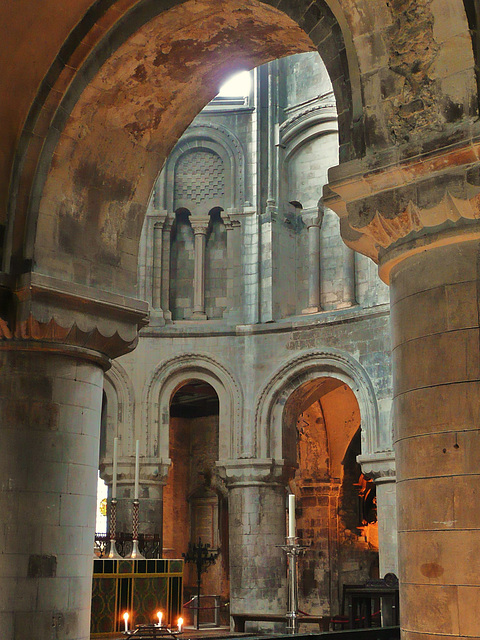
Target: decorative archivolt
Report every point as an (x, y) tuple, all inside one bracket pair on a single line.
[(164, 382), (309, 365)]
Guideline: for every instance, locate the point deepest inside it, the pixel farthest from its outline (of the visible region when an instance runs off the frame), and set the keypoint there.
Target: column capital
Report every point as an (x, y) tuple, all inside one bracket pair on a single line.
[(313, 217), (200, 226), (152, 470), (390, 212), (254, 471), (51, 314), (379, 466)]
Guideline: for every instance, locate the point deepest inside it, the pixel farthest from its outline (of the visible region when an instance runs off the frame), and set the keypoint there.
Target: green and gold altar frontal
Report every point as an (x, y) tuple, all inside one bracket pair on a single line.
[(139, 587)]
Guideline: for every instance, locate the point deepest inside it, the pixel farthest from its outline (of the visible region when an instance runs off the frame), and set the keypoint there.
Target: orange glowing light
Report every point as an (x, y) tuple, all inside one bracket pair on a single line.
[(180, 624), (159, 616)]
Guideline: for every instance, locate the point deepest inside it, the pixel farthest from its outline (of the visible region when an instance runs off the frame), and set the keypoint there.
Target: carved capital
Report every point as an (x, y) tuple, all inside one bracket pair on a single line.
[(378, 466), (384, 210), (152, 471), (200, 227), (66, 315), (254, 471)]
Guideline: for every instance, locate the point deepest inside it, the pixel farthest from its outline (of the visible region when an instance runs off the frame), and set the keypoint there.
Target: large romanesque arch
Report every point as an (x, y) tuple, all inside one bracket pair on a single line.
[(269, 414), (166, 379)]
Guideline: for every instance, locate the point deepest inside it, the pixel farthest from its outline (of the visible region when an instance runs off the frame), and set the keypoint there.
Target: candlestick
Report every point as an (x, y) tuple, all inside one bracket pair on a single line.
[(291, 515), (115, 463), (159, 615), (180, 624), (137, 468), (125, 618)]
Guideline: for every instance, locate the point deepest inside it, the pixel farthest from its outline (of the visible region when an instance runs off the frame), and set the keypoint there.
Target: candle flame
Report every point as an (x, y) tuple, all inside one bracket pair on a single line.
[(180, 624), (125, 616), (159, 616)]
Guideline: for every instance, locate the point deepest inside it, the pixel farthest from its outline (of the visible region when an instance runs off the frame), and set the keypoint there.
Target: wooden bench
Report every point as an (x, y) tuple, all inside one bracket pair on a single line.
[(239, 620)]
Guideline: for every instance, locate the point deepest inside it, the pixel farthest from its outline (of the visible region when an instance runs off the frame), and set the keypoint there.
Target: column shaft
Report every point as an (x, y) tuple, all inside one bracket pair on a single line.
[(157, 266), (199, 272), (165, 286), (349, 277), (314, 269), (50, 408), (257, 564), (437, 412)]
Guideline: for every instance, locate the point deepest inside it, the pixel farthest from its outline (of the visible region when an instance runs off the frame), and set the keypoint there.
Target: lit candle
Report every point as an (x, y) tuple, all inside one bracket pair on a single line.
[(180, 624), (137, 468), (291, 515), (115, 462), (125, 617), (159, 614)]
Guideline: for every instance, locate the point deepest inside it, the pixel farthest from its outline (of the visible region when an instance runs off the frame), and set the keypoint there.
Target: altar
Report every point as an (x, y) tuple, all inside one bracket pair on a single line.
[(139, 587)]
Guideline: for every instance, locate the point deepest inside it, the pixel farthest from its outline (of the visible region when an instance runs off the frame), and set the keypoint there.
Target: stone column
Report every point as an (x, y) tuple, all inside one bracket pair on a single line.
[(313, 222), (349, 278), (257, 519), (165, 286), (424, 232), (381, 468), (157, 265), (437, 412), (50, 404), (200, 228)]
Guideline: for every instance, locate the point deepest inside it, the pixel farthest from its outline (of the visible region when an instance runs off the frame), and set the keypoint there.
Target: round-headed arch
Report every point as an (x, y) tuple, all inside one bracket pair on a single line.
[(127, 104), (168, 377), (306, 367)]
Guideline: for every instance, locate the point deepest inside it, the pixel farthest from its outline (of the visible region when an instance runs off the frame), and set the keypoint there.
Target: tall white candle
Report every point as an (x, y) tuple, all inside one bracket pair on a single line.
[(125, 618), (115, 463), (291, 515), (137, 468)]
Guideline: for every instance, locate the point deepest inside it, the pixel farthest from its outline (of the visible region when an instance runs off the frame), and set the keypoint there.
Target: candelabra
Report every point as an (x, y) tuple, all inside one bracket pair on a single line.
[(293, 550), (200, 555), (135, 555), (113, 553)]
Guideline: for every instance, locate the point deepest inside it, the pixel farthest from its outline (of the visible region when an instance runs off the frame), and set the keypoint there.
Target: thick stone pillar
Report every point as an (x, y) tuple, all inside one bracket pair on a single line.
[(51, 386), (313, 222), (257, 517), (200, 228), (419, 220), (50, 406), (437, 412)]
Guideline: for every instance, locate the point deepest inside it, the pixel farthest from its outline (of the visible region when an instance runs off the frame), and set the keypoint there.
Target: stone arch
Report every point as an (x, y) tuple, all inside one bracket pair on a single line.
[(225, 144), (331, 363), (92, 202), (167, 378)]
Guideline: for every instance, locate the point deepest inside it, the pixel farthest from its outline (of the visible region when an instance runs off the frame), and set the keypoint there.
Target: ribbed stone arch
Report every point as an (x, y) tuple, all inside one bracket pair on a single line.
[(308, 366), (168, 377)]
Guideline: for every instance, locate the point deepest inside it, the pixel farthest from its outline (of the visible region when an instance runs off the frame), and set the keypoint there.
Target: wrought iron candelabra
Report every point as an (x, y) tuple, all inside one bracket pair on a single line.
[(203, 558)]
